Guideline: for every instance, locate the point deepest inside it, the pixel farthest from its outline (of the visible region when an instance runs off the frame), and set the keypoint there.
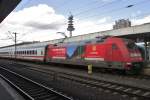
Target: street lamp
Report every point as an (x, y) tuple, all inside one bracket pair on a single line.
[(63, 34)]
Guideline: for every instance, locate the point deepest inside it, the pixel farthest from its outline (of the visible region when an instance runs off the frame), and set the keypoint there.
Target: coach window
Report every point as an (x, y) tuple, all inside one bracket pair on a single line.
[(33, 52), (41, 52), (36, 52)]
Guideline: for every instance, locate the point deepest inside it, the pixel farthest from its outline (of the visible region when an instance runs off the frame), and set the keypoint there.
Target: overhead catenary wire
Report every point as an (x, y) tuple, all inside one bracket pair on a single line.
[(9, 34), (85, 6), (131, 17), (115, 10), (90, 9)]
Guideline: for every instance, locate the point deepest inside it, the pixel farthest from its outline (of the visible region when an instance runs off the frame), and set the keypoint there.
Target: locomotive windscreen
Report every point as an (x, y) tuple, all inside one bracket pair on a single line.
[(130, 44)]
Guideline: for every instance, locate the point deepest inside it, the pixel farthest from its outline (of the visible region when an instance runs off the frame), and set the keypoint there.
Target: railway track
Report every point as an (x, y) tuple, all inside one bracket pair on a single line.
[(116, 88), (95, 70), (29, 89), (132, 92)]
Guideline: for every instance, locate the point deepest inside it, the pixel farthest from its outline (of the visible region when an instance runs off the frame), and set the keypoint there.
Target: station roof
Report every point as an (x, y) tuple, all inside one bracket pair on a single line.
[(139, 33), (6, 7)]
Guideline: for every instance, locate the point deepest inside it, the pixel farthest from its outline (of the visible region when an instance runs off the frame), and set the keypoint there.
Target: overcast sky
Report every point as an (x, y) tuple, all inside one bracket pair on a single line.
[(40, 20)]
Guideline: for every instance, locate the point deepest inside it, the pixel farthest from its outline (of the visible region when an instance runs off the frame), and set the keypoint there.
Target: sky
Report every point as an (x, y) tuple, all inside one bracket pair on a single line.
[(40, 20)]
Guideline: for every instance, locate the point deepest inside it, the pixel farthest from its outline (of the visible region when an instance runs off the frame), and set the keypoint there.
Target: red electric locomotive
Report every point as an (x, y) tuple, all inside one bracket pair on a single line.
[(108, 53)]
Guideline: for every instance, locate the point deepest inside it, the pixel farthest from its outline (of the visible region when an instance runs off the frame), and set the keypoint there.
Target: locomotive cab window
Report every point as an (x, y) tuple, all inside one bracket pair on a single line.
[(130, 44), (99, 41)]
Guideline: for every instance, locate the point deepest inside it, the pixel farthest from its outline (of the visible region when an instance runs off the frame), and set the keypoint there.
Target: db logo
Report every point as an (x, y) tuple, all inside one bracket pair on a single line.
[(94, 48)]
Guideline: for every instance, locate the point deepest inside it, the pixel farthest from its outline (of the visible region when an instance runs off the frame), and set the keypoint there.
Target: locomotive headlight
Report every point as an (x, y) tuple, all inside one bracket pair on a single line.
[(128, 63)]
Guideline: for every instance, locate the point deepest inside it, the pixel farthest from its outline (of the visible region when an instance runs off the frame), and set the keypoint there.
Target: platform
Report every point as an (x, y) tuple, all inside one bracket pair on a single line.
[(7, 92)]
